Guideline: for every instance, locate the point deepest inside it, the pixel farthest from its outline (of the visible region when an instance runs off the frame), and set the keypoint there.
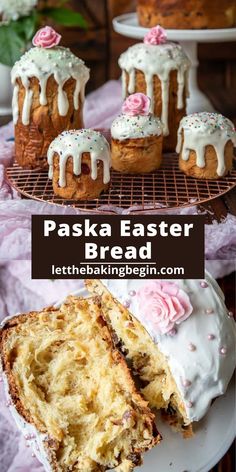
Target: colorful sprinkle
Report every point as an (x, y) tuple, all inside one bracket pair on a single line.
[(192, 347), (210, 337), (127, 303), (186, 383), (209, 311), (223, 351), (172, 332), (203, 284)]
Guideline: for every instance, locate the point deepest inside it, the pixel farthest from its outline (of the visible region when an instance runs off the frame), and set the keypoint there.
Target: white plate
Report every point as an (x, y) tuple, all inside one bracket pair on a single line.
[(128, 25), (213, 436)]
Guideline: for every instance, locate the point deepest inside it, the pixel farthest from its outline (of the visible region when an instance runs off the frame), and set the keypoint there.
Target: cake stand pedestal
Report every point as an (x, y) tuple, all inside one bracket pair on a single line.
[(127, 25)]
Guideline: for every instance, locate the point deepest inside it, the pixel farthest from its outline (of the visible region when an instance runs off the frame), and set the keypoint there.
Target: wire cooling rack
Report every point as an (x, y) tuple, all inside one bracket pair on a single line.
[(166, 188)]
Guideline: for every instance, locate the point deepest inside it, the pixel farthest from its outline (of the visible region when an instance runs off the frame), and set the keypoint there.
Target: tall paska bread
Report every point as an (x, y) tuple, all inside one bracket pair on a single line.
[(187, 14), (49, 86), (159, 69)]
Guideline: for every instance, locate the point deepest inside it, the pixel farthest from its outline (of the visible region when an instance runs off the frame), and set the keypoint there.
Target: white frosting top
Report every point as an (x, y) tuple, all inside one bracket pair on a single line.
[(42, 63), (73, 144), (140, 126), (204, 129), (202, 352), (157, 60)]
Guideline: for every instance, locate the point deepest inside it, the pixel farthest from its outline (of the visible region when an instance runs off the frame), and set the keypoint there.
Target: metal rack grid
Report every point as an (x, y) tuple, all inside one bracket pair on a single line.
[(168, 187)]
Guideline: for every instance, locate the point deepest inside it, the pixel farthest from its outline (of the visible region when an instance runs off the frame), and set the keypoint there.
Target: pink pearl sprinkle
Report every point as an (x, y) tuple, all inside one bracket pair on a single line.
[(1, 379), (210, 337), (172, 332), (127, 303), (27, 444), (209, 311), (27, 437), (223, 351), (33, 454), (203, 284), (190, 404), (186, 383), (192, 347), (8, 403), (32, 436), (132, 293), (230, 314)]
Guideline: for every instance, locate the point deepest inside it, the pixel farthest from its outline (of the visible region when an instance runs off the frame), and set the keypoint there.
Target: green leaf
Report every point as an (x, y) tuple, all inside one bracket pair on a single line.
[(12, 45), (65, 17), (26, 26)]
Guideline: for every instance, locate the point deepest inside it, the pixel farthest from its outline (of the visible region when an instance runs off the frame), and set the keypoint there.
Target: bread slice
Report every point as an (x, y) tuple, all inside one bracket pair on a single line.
[(66, 377), (148, 362)]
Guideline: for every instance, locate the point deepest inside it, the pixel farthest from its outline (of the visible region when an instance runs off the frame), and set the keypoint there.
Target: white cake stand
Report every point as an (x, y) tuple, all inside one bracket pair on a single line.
[(127, 25)]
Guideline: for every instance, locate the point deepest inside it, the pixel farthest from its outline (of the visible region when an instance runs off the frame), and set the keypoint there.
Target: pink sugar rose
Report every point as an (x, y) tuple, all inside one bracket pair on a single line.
[(46, 37), (155, 36), (164, 304), (136, 104)]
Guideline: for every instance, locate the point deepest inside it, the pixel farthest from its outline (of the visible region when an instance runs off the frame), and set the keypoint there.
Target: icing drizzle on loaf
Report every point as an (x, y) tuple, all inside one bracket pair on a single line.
[(199, 130), (156, 60), (200, 350), (42, 63), (73, 144), (140, 126)]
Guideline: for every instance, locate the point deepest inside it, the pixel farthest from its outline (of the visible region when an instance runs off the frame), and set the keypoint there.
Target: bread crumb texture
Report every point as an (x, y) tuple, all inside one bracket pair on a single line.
[(66, 377), (148, 362)]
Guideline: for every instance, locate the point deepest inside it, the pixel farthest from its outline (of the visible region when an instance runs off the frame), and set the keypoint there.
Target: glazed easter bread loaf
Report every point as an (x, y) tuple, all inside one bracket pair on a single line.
[(66, 377), (151, 366)]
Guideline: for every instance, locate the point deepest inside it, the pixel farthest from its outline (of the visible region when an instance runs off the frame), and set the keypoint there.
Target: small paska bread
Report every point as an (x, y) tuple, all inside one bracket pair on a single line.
[(49, 86), (159, 69), (137, 137), (206, 144), (79, 164)]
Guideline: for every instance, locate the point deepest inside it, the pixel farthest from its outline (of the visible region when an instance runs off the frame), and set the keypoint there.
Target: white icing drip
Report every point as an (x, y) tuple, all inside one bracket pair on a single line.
[(125, 127), (208, 371), (165, 105), (205, 129), (159, 61), (123, 82), (42, 64), (15, 108), (74, 144)]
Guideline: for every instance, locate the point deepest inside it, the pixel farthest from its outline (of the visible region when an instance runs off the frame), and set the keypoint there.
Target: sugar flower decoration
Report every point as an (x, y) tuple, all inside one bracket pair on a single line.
[(14, 9), (164, 304), (136, 104), (155, 36), (46, 37)]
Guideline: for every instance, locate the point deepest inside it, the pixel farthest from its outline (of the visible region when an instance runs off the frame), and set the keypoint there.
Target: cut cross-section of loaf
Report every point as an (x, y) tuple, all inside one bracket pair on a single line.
[(66, 377), (148, 362)]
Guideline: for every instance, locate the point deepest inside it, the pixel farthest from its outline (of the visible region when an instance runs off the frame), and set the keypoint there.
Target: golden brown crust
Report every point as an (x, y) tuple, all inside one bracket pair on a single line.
[(32, 141), (137, 155), (174, 114), (190, 168), (5, 332), (187, 14), (139, 409), (80, 187)]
